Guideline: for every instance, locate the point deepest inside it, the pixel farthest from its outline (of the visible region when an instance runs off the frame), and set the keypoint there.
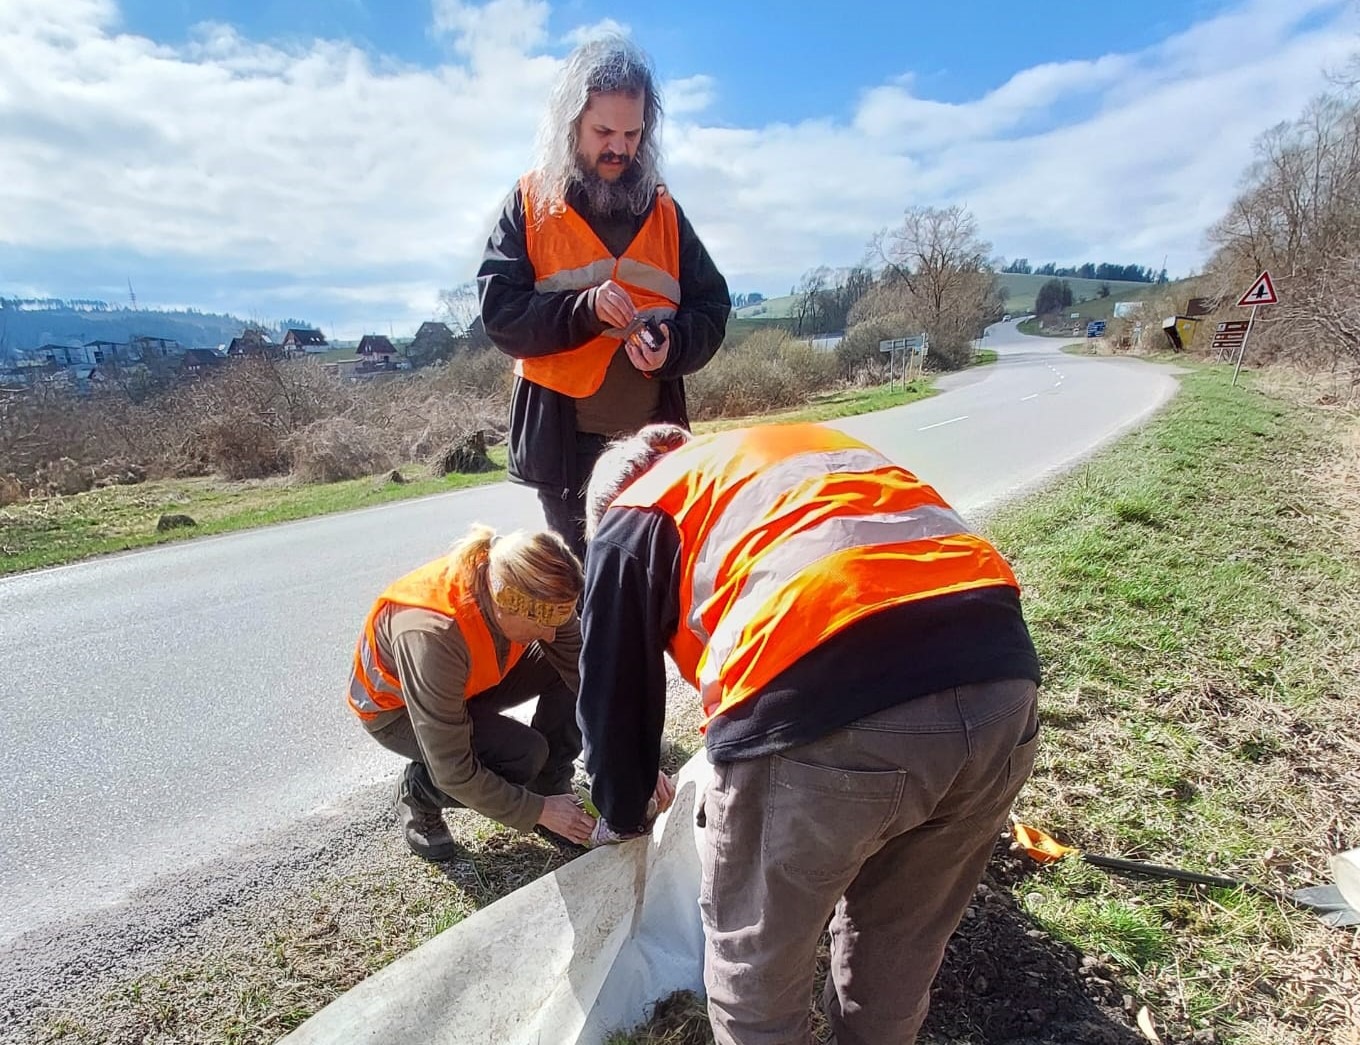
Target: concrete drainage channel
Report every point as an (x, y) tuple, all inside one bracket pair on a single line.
[(569, 958)]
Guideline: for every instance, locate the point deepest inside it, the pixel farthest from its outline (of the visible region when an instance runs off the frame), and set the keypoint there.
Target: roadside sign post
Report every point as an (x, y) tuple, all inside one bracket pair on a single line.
[(1228, 338), (1262, 292), (911, 347)]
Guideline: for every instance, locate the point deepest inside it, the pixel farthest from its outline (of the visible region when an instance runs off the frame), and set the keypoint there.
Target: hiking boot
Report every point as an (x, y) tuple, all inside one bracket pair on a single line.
[(424, 827)]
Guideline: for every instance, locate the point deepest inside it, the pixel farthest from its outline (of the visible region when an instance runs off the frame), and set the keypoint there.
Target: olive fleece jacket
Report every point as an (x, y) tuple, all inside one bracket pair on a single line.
[(427, 653)]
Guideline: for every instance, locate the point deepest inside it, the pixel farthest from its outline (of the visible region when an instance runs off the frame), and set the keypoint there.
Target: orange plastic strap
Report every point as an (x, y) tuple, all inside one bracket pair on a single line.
[(1040, 846)]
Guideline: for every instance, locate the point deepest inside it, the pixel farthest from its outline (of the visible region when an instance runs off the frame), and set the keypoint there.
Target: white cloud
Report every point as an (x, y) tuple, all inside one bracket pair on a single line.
[(692, 94), (363, 185), (605, 27)]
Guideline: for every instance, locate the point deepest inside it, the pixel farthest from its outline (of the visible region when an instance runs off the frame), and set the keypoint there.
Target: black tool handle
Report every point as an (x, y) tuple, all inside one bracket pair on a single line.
[(1158, 871)]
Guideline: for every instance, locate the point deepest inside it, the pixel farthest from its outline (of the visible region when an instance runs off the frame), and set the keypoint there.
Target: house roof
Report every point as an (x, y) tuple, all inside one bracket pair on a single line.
[(243, 346), (200, 357), (375, 345), (432, 328), (304, 336)]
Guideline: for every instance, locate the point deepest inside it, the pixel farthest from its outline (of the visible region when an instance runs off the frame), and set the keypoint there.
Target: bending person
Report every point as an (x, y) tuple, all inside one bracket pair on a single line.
[(449, 647), (869, 695)]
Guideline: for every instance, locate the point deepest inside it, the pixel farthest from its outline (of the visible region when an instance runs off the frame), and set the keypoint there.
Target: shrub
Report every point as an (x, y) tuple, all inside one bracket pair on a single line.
[(767, 371), (337, 448)]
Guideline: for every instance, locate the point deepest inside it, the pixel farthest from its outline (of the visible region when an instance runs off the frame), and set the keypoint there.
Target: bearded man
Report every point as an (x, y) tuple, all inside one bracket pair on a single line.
[(595, 283)]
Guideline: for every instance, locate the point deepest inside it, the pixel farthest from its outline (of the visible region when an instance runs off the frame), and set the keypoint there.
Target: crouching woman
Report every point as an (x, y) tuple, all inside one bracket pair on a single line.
[(444, 652)]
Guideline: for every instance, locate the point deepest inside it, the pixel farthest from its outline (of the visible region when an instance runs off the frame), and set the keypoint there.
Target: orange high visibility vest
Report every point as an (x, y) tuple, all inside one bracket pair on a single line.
[(788, 535), (374, 687), (567, 255)]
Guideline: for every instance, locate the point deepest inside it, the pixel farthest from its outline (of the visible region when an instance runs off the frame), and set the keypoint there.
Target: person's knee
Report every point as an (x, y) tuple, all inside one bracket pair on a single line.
[(529, 761)]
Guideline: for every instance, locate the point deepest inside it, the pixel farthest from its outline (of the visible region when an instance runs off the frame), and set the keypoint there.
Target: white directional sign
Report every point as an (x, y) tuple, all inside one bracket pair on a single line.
[(1262, 292)]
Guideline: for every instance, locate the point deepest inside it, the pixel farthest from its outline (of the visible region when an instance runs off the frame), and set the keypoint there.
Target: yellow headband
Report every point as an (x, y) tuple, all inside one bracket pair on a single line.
[(543, 613)]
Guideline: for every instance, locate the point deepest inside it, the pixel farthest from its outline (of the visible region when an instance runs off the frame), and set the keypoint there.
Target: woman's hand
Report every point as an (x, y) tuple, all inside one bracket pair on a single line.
[(563, 815)]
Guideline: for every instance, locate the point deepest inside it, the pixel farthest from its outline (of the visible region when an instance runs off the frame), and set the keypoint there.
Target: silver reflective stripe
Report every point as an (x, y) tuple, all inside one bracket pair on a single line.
[(576, 279), (649, 277), (751, 502), (358, 693), (781, 565)]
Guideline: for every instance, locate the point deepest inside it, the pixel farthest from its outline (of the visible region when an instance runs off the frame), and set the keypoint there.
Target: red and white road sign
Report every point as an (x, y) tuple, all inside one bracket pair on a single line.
[(1262, 292)]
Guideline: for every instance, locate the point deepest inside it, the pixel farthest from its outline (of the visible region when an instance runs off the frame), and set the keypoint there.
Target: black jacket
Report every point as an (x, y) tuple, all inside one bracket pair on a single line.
[(631, 612), (524, 324)]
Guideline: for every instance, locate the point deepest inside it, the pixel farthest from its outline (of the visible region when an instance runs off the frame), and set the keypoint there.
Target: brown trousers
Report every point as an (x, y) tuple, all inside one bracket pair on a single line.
[(885, 827)]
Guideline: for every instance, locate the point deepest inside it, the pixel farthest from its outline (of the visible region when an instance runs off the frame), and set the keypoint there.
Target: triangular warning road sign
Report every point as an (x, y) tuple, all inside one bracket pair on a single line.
[(1262, 292)]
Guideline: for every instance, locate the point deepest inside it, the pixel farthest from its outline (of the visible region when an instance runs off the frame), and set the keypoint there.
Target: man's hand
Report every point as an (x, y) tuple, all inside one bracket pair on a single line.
[(563, 815), (613, 305), (664, 794), (648, 359)]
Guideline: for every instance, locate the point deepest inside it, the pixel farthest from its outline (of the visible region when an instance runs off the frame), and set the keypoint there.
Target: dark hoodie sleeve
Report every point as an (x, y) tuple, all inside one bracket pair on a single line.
[(701, 321), (520, 321), (630, 615)]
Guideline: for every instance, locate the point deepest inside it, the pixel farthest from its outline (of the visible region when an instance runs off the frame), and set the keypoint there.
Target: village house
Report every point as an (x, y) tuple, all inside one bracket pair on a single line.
[(377, 353), (253, 342), (304, 341)]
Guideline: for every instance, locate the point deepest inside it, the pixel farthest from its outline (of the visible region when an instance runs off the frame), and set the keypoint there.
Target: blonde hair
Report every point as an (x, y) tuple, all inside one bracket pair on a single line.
[(539, 564), (624, 461)]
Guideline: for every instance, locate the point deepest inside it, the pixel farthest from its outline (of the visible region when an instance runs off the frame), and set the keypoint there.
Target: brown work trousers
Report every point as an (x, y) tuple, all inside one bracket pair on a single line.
[(885, 827)]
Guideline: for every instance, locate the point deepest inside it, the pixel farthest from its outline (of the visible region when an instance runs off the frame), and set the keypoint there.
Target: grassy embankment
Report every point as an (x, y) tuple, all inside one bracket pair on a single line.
[(52, 531)]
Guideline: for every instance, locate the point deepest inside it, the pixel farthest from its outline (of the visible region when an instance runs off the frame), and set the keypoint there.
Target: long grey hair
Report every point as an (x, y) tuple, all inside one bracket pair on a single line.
[(625, 460), (608, 65)]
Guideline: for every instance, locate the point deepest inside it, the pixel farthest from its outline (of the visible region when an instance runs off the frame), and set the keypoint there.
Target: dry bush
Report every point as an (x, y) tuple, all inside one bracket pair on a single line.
[(64, 477), (859, 349), (477, 374), (253, 418), (337, 448), (767, 371), (240, 446)]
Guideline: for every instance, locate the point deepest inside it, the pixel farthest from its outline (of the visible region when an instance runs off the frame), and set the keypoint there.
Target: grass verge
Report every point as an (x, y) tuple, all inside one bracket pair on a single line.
[(1193, 593), (57, 530)]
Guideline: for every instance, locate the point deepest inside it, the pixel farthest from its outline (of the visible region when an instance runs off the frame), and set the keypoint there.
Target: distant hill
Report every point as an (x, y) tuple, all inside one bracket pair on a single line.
[(1021, 292), (770, 308), (28, 324), (1022, 289)]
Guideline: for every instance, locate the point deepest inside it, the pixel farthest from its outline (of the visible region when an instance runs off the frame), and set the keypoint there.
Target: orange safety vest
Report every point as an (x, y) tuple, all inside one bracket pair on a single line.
[(567, 255), (788, 535), (374, 687)]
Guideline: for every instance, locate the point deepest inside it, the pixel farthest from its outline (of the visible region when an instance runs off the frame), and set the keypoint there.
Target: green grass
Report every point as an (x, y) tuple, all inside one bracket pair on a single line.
[(59, 530), (1200, 629), (1022, 289), (117, 518)]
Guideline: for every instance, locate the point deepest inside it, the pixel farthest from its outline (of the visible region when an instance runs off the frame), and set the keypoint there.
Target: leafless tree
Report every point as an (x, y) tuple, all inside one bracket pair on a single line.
[(459, 308), (937, 269), (1298, 215)]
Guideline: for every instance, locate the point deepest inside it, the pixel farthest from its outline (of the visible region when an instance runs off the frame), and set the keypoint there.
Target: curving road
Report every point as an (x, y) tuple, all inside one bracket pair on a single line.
[(169, 706)]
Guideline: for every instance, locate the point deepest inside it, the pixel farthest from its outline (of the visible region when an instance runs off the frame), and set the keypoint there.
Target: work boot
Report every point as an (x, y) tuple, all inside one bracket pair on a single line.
[(424, 827)]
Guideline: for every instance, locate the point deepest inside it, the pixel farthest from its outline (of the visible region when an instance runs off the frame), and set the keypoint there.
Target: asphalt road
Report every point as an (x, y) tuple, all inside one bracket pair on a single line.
[(170, 706)]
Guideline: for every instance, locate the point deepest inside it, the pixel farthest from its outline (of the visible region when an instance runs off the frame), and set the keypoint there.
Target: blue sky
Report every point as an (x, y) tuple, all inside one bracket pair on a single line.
[(774, 66), (342, 159)]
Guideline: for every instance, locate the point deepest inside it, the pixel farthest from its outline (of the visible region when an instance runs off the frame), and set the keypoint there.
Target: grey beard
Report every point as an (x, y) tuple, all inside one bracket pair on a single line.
[(611, 197)]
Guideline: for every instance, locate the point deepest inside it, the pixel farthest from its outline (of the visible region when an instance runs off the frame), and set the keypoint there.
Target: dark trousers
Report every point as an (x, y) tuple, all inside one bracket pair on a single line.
[(885, 827), (538, 756), (566, 516)]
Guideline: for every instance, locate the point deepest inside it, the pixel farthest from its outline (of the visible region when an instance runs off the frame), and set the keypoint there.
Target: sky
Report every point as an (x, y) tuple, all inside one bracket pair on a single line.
[(341, 161)]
